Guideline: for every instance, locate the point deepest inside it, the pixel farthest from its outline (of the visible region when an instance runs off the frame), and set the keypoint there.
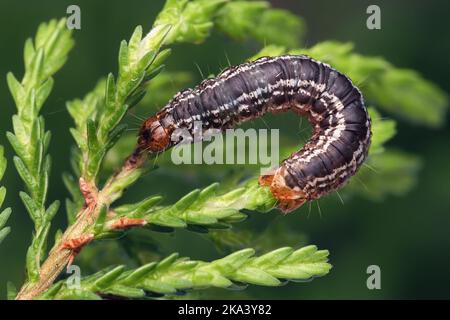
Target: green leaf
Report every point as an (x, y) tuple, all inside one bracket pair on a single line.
[(201, 219), (382, 131), (274, 20), (255, 276), (242, 20), (145, 62), (123, 57), (406, 94), (25, 174), (2, 195), (158, 286), (273, 257), (3, 163), (58, 235), (123, 291), (3, 233), (15, 88), (135, 41), (168, 261), (43, 92), (139, 273), (157, 65), (153, 40), (186, 201), (17, 145), (28, 52), (238, 18), (41, 243), (6, 213), (110, 91), (162, 219), (137, 210), (93, 143), (32, 264), (175, 273), (34, 76), (115, 135), (51, 211), (75, 294), (100, 222), (190, 21), (136, 97), (50, 293), (31, 206), (234, 260), (108, 278)]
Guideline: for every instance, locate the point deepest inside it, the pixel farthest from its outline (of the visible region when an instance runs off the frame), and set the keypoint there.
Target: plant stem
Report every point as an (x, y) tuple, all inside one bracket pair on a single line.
[(59, 257)]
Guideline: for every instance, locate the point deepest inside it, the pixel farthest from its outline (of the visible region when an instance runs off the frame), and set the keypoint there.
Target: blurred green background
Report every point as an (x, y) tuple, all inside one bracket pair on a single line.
[(408, 236)]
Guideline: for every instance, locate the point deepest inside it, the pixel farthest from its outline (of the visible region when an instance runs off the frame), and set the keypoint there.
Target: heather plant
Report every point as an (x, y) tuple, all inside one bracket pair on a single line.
[(104, 165)]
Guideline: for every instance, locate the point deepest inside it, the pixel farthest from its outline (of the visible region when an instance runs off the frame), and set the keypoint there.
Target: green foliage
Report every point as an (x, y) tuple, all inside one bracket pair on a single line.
[(242, 20), (406, 94), (98, 115), (386, 171), (83, 111), (204, 207), (391, 172), (398, 91), (383, 130), (4, 231), (200, 210), (162, 88), (190, 21), (98, 126), (4, 215), (43, 57), (175, 274)]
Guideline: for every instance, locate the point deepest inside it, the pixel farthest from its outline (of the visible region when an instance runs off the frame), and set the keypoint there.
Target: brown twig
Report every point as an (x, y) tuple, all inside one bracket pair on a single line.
[(63, 253)]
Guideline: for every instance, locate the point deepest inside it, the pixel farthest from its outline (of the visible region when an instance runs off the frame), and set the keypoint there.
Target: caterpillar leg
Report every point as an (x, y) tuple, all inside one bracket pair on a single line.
[(75, 246), (288, 198), (125, 223)]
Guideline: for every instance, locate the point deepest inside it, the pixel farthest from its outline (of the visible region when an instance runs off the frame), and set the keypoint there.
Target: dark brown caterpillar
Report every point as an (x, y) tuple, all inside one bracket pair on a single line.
[(333, 105)]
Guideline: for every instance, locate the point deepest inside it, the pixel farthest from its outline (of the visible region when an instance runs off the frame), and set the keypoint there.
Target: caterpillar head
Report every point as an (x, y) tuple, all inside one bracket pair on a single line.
[(153, 136)]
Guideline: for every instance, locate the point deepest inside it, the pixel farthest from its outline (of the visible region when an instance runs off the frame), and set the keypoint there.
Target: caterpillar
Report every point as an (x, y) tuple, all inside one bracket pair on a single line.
[(333, 105)]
